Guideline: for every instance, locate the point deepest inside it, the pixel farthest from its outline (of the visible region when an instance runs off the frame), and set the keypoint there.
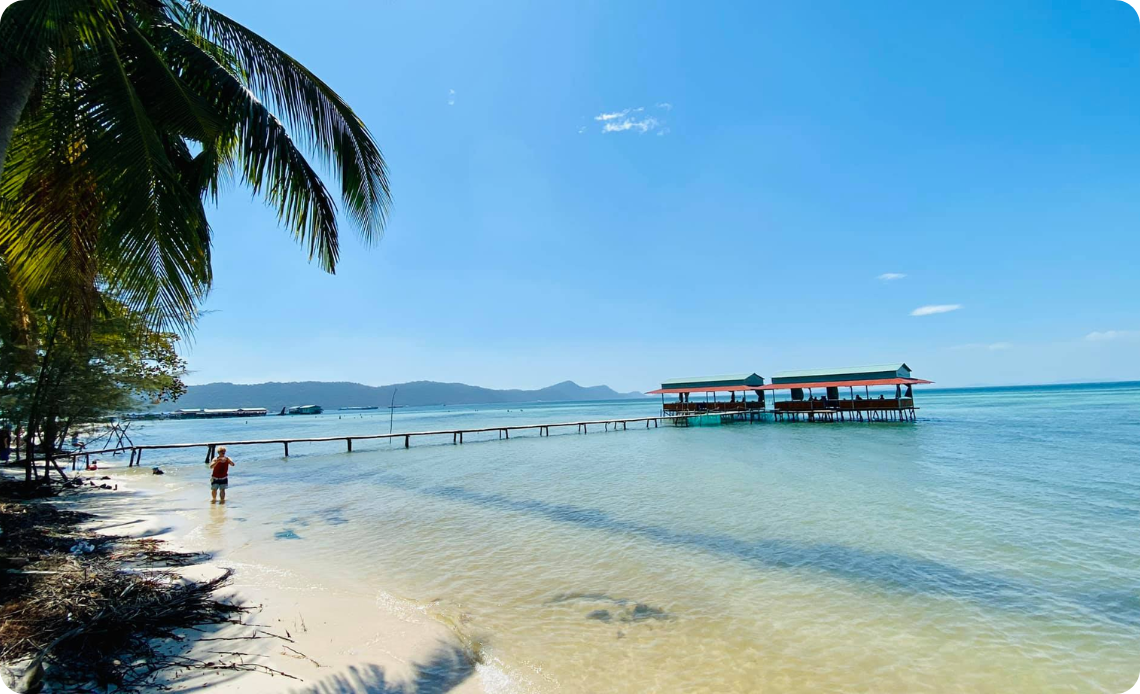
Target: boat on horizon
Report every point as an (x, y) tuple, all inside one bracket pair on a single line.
[(303, 409)]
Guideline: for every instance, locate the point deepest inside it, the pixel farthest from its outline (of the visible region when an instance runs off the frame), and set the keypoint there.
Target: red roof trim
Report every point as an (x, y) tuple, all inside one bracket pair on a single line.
[(706, 389), (789, 386), (840, 384)]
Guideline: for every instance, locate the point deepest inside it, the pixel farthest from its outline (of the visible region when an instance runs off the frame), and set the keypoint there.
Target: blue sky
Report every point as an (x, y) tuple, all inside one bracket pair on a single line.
[(766, 165)]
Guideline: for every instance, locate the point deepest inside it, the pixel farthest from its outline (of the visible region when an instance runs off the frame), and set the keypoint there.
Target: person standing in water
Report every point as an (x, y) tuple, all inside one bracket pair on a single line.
[(219, 475)]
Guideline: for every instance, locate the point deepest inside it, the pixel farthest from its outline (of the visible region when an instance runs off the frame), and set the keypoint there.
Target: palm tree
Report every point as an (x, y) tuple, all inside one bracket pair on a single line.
[(120, 119)]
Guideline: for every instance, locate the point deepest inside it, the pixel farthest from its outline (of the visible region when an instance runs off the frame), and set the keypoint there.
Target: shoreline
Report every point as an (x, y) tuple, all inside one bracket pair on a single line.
[(319, 633)]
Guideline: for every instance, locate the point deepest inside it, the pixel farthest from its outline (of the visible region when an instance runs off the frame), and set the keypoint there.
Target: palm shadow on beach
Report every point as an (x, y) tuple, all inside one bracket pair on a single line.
[(448, 668)]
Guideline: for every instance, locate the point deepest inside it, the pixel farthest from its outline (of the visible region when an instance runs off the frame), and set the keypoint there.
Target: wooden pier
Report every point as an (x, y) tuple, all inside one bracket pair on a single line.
[(504, 432)]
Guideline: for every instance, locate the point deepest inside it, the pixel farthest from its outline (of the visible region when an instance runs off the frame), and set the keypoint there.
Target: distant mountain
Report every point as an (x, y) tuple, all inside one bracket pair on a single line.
[(274, 396)]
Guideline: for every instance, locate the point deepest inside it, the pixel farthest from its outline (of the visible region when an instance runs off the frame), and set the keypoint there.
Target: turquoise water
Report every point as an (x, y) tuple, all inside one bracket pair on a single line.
[(991, 546)]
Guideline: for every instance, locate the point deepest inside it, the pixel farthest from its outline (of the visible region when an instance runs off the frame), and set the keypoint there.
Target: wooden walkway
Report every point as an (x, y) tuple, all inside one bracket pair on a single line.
[(504, 432)]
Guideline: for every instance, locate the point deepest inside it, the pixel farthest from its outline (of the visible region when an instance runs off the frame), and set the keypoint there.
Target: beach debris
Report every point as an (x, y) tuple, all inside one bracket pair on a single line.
[(26, 676), (157, 471), (294, 653), (82, 547), (90, 610)]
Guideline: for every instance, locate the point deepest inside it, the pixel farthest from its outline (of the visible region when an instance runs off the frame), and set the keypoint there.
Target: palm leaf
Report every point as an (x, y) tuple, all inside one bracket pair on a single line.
[(264, 155), (154, 242), (309, 107)]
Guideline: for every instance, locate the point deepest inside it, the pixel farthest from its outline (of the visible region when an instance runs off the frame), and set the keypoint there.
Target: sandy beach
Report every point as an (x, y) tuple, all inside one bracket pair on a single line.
[(321, 633)]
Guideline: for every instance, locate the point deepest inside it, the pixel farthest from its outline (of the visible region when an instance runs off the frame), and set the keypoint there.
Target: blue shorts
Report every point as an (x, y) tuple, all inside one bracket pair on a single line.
[(216, 484)]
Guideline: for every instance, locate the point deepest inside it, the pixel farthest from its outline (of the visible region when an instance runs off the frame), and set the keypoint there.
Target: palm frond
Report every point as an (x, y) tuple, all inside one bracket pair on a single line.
[(265, 156), (154, 242), (311, 109)]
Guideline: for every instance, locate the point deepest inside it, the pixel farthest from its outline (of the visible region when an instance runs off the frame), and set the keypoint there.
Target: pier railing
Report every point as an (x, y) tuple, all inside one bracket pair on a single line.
[(457, 435)]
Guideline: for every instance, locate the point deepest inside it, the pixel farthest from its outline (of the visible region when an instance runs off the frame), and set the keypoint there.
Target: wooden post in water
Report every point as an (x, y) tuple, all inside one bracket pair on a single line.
[(407, 441), (349, 445), (286, 448)]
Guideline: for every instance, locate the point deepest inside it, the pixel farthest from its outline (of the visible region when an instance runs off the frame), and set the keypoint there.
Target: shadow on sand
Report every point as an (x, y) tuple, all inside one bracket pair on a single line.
[(887, 571), (446, 670)]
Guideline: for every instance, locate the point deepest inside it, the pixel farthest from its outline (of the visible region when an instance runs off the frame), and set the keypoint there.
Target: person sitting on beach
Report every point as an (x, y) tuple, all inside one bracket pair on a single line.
[(220, 475)]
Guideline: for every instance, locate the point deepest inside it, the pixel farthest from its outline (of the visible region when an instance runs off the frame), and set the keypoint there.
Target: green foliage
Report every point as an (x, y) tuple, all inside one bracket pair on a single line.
[(141, 109), (57, 376)]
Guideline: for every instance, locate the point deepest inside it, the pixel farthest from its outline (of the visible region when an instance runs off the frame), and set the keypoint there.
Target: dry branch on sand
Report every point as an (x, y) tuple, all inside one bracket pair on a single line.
[(96, 615)]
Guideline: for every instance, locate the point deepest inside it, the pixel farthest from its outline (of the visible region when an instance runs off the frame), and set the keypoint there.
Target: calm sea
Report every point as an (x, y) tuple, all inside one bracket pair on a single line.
[(992, 546)]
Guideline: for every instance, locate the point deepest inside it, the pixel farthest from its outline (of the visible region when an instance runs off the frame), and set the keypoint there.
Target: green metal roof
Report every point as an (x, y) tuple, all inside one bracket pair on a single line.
[(852, 373), (710, 381)]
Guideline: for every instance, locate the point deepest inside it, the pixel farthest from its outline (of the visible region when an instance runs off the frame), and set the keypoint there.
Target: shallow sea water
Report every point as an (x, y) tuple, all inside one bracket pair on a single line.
[(992, 546)]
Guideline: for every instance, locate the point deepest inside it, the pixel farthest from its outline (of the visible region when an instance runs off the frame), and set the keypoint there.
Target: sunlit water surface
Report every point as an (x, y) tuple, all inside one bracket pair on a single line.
[(992, 546)]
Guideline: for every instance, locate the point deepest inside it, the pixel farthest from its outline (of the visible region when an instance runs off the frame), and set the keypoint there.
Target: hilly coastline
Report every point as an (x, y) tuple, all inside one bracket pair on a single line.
[(274, 396)]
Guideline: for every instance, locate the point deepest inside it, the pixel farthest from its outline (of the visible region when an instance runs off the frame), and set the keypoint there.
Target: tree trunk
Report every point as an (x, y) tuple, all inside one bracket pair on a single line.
[(16, 82)]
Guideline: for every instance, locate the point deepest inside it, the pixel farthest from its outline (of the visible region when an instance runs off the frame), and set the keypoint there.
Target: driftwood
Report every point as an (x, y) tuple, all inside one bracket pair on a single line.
[(87, 617)]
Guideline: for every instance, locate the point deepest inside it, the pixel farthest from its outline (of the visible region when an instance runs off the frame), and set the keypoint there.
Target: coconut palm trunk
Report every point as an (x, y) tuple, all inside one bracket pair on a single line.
[(16, 82)]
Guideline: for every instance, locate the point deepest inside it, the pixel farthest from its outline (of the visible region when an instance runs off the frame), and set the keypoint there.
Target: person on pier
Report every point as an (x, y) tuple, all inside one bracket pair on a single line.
[(220, 475)]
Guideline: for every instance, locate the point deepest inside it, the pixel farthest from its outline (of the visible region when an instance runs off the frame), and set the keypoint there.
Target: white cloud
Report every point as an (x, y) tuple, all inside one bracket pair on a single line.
[(665, 105), (642, 125), (581, 130), (630, 119), (663, 132), (1106, 335), (888, 276), (450, 97), (935, 309), (618, 114)]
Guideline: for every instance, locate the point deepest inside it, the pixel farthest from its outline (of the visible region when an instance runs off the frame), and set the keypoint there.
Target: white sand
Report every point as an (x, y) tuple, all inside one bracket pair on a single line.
[(336, 638)]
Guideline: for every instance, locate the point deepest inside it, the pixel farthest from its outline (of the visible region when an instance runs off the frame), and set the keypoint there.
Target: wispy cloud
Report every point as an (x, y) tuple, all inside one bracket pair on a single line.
[(632, 120), (617, 114), (665, 105), (889, 276), (935, 309), (581, 130), (450, 97), (1106, 335), (993, 347), (642, 125)]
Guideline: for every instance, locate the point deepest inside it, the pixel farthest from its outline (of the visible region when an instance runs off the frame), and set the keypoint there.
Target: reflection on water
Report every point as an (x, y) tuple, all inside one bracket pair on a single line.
[(992, 546)]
